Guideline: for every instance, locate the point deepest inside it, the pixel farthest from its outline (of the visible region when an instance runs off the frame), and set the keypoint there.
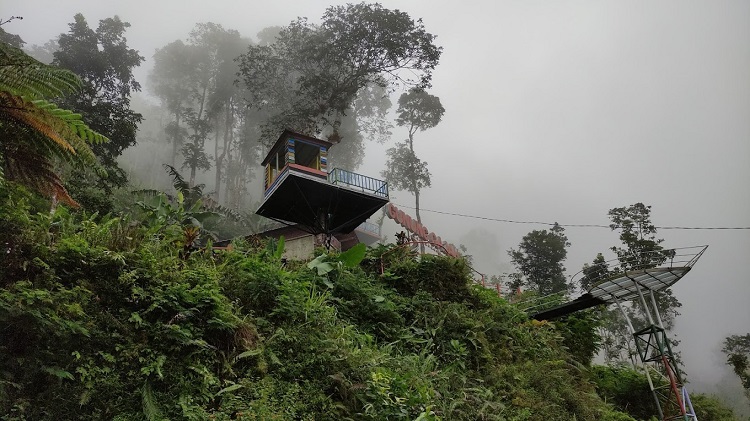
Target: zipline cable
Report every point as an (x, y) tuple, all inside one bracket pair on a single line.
[(510, 221)]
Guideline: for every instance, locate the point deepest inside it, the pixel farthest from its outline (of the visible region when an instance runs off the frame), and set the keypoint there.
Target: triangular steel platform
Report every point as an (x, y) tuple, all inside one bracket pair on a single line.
[(322, 206), (653, 346)]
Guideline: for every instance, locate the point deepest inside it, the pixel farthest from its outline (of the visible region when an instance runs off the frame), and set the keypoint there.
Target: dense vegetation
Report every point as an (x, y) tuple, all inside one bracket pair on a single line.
[(102, 318), (105, 318)]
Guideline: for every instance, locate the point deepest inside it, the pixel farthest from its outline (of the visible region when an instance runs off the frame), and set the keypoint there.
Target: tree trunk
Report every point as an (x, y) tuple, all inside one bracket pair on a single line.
[(176, 136), (228, 125), (419, 218), (219, 159), (230, 176), (199, 136), (415, 190)]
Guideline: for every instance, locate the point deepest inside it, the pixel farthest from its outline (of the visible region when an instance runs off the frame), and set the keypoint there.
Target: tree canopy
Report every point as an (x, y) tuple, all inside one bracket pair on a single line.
[(638, 236), (737, 350), (418, 110), (311, 74), (105, 63), (539, 260)]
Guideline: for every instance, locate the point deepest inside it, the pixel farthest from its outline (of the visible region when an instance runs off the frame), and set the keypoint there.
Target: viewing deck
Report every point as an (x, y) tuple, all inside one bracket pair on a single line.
[(358, 182), (337, 177), (300, 188), (335, 202)]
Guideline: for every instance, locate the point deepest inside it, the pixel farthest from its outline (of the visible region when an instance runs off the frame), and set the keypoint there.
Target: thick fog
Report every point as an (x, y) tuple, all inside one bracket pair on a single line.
[(555, 111)]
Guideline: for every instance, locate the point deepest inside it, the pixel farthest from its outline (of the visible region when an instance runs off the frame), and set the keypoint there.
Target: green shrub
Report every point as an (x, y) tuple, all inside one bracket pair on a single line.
[(710, 408), (103, 319), (628, 390)]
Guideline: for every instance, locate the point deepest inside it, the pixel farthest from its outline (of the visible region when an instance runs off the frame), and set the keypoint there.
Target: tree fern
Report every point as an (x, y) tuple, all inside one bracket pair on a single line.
[(35, 130), (21, 74), (25, 163)]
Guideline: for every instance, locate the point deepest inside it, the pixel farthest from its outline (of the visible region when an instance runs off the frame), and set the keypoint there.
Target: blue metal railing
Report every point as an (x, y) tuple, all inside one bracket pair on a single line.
[(366, 184)]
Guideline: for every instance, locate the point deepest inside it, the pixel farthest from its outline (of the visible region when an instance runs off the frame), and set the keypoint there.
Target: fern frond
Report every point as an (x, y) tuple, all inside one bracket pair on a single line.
[(74, 121), (150, 407), (61, 126), (34, 130), (14, 107), (21, 74), (32, 167)]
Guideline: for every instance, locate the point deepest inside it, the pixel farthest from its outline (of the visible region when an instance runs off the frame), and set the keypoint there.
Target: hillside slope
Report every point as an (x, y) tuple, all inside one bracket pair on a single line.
[(101, 318)]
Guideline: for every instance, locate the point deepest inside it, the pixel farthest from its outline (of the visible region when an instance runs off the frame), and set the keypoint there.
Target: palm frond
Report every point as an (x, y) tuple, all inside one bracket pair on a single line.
[(226, 212)]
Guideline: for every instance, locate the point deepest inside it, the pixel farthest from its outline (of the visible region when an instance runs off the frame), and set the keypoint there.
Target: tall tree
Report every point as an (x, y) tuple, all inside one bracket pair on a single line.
[(642, 250), (225, 98), (311, 74), (242, 157), (105, 63), (171, 80), (539, 260), (34, 131), (406, 172), (639, 249), (594, 273), (417, 111), (195, 81), (737, 350)]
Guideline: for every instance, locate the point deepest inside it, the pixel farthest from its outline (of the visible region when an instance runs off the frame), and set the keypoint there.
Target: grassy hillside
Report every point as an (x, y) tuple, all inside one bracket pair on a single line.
[(104, 318)]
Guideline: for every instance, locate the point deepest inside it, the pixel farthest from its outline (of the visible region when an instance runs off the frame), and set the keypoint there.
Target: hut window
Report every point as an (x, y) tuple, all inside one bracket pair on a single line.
[(307, 155)]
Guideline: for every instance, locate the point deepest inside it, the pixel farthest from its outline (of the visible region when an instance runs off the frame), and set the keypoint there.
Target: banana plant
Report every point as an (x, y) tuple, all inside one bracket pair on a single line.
[(350, 258), (177, 220), (181, 217)]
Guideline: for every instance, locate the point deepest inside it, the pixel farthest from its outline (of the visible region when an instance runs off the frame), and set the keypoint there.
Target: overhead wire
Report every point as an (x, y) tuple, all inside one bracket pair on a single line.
[(511, 221)]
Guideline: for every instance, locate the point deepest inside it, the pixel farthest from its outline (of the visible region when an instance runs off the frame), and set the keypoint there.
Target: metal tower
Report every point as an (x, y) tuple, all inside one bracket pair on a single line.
[(651, 342)]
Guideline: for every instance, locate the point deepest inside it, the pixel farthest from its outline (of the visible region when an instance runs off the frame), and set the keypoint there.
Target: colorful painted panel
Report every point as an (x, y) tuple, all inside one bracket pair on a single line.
[(290, 151), (323, 159)]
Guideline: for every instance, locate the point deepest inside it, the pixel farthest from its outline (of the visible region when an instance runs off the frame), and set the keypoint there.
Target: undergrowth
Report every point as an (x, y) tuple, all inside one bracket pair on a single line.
[(105, 318)]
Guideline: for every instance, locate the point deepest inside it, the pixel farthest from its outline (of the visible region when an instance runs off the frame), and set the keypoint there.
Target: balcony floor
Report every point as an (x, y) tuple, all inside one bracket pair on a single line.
[(302, 199)]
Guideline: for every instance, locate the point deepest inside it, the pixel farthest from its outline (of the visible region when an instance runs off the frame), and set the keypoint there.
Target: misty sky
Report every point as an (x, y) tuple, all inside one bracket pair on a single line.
[(555, 111)]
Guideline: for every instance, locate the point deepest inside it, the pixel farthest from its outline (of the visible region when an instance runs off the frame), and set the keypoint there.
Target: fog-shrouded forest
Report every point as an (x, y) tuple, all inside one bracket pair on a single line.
[(555, 145)]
